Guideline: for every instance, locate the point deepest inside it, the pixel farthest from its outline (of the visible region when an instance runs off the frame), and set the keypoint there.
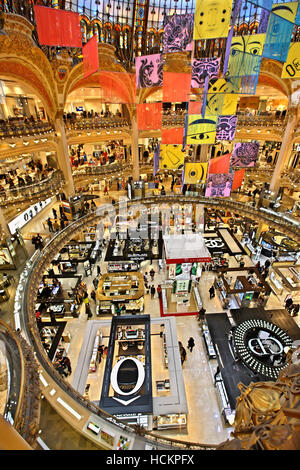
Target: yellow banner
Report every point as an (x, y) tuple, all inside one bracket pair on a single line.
[(195, 173), (287, 11), (212, 18), (291, 68), (171, 157), (201, 130)]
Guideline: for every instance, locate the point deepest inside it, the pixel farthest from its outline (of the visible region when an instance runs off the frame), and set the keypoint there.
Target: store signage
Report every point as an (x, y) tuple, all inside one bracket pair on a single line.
[(116, 386), (27, 215), (265, 347), (214, 243), (261, 346)]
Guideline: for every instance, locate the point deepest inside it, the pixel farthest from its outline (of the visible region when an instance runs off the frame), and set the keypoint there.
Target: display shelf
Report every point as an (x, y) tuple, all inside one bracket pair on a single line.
[(171, 421), (165, 351), (208, 342)]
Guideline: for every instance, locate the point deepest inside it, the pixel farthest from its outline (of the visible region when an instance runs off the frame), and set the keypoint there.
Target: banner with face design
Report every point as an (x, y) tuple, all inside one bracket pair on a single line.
[(291, 68), (201, 68), (244, 154), (212, 18), (149, 71), (178, 33), (195, 173), (201, 130), (278, 38), (226, 127), (219, 185), (171, 157)]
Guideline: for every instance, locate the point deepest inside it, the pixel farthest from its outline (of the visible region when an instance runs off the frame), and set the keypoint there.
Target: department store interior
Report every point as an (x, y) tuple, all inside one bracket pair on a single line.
[(150, 215)]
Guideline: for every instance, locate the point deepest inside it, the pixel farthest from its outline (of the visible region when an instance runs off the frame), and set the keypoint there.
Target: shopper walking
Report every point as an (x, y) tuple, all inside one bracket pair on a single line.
[(88, 311), (152, 272), (98, 270), (152, 292), (158, 291), (191, 344), (93, 295), (212, 292), (95, 282), (295, 310), (54, 213), (183, 355), (49, 224)]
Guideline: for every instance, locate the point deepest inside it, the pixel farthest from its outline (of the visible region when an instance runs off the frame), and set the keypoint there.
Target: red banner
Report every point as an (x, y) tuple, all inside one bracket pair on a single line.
[(238, 179), (172, 136), (176, 87), (195, 107), (149, 116), (219, 164), (57, 27), (117, 87), (90, 57)]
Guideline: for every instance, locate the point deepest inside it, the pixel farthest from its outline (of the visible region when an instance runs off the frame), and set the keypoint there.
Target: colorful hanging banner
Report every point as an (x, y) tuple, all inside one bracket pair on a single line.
[(235, 12), (156, 159), (267, 4), (287, 10), (149, 116), (219, 185), (252, 44), (219, 164), (221, 99), (201, 68), (172, 136), (238, 179), (201, 130), (212, 19), (204, 98), (195, 173), (278, 38), (244, 154), (226, 127), (297, 19), (176, 87), (117, 87), (263, 21), (178, 33), (90, 57), (149, 71), (57, 27), (242, 63), (171, 157), (291, 68), (195, 107)]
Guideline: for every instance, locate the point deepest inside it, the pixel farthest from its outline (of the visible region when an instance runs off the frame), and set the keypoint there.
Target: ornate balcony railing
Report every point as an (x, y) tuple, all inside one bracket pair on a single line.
[(21, 384), (262, 120), (80, 124), (19, 128), (46, 186), (29, 281)]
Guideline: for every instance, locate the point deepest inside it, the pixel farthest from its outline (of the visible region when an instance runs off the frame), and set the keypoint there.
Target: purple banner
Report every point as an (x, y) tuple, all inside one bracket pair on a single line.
[(219, 185), (156, 159), (226, 127), (202, 68), (178, 33), (149, 71), (244, 154)]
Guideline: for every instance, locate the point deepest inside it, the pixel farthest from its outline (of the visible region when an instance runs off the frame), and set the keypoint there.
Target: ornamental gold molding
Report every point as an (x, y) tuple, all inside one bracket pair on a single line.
[(17, 45)]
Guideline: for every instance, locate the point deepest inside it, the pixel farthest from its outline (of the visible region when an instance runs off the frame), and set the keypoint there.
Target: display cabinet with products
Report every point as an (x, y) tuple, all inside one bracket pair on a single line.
[(165, 351), (208, 342), (170, 421)]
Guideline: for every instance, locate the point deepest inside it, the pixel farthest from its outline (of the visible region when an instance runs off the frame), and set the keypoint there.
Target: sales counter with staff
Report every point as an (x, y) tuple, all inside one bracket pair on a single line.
[(241, 287), (284, 279), (120, 292)]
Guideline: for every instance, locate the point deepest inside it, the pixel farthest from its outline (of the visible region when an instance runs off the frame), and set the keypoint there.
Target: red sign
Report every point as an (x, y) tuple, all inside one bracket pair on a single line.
[(90, 57), (57, 27)]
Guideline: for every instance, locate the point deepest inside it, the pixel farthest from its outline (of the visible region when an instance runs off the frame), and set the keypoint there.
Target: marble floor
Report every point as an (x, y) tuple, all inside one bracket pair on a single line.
[(205, 424)]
